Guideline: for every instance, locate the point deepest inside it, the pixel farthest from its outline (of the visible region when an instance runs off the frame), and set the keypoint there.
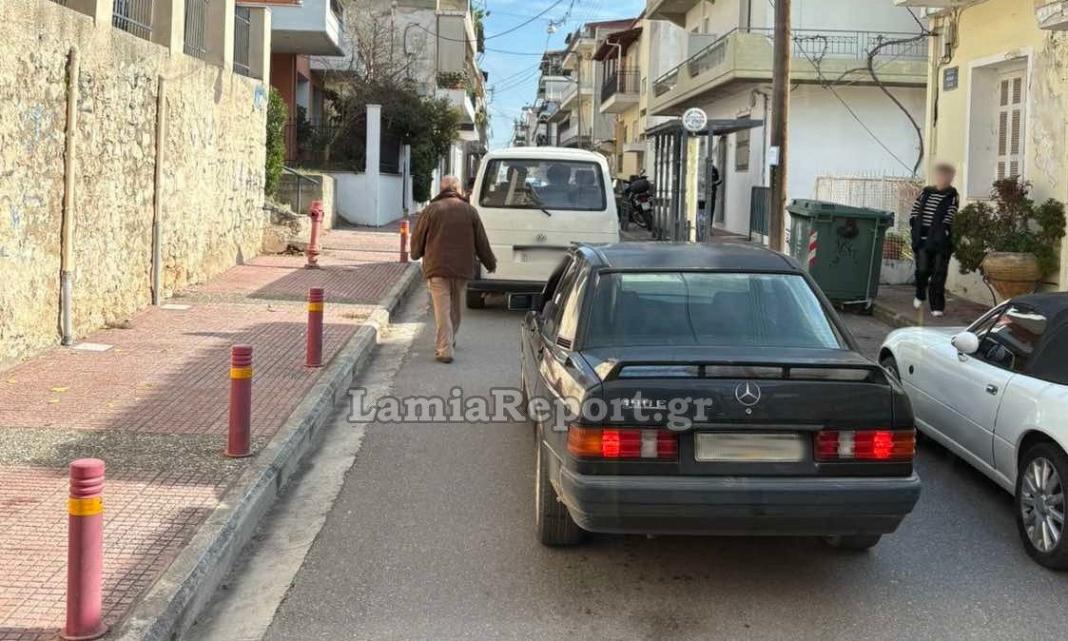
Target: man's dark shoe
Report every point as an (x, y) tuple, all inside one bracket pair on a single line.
[(444, 359)]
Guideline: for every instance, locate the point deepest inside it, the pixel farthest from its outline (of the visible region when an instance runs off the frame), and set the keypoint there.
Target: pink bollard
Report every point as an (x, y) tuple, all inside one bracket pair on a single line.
[(85, 551)]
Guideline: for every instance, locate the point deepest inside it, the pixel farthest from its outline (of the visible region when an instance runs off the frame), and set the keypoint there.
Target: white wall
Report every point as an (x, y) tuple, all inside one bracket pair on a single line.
[(824, 140), (351, 199)]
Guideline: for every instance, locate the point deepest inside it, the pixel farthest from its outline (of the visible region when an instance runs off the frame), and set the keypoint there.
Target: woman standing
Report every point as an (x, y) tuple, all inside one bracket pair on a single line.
[(932, 238)]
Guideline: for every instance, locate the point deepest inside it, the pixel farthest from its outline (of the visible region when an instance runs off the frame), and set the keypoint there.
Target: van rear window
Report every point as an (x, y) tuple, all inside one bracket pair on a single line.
[(523, 183)]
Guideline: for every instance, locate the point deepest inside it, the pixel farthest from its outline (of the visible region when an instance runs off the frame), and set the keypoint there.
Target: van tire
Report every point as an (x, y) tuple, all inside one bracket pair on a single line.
[(476, 300)]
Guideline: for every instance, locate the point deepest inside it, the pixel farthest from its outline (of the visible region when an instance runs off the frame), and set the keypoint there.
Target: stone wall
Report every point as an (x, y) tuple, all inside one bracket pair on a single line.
[(212, 173)]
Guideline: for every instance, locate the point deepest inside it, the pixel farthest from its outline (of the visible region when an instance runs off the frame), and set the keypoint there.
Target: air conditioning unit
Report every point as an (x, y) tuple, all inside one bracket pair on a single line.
[(1052, 15)]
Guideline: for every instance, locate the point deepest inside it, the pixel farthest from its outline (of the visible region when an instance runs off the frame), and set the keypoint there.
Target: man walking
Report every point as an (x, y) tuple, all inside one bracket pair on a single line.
[(932, 238), (448, 237)]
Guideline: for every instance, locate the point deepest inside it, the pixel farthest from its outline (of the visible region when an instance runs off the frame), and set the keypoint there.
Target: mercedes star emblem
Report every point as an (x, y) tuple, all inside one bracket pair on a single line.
[(747, 393)]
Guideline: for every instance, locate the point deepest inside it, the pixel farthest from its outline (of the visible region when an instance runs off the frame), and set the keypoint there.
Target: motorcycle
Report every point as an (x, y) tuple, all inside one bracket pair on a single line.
[(636, 203)]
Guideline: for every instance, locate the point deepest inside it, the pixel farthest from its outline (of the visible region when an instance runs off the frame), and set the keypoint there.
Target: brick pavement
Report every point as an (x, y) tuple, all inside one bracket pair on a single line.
[(154, 407), (894, 306)]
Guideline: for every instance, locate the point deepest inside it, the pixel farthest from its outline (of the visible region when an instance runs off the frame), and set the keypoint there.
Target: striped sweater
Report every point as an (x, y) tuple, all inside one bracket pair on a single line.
[(934, 201)]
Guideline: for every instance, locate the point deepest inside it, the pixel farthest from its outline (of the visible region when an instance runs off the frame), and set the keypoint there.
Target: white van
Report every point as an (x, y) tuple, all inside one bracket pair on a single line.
[(535, 202)]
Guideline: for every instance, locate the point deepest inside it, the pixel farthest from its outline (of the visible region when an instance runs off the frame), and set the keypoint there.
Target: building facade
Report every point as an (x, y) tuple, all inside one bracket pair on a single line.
[(842, 123), (997, 102), (301, 29)]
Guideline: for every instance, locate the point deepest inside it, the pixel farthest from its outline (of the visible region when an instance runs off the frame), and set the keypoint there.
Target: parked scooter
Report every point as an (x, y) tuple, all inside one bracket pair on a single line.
[(636, 203)]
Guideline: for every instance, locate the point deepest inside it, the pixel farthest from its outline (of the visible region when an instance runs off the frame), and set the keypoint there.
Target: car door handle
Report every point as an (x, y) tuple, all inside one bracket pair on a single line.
[(992, 390)]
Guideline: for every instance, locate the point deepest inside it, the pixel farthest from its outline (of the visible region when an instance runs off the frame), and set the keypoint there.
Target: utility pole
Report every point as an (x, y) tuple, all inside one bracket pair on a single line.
[(780, 119)]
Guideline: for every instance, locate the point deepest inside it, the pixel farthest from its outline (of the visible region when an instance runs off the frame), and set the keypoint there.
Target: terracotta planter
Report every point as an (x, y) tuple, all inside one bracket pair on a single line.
[(1011, 274)]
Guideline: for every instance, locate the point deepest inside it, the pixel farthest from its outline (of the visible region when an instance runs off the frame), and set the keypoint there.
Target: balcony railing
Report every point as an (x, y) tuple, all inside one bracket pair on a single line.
[(242, 40), (627, 81), (195, 33), (811, 44), (133, 16)]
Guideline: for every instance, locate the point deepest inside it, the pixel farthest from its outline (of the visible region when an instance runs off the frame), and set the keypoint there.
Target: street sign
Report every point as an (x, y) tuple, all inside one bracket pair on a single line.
[(694, 119)]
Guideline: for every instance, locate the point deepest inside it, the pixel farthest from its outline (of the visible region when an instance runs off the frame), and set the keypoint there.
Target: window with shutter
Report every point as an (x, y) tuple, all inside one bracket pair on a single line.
[(1010, 125)]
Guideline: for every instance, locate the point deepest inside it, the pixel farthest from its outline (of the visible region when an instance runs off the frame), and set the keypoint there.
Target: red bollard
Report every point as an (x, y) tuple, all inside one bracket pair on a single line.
[(315, 212), (238, 441), (404, 241), (85, 551), (315, 327)]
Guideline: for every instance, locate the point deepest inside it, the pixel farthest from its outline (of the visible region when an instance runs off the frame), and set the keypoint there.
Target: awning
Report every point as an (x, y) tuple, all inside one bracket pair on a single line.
[(624, 39), (718, 127)]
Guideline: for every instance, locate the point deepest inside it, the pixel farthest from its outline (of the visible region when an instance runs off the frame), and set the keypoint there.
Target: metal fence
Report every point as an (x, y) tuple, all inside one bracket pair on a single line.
[(242, 40), (195, 31), (889, 193), (627, 81), (812, 44), (133, 16), (322, 146)]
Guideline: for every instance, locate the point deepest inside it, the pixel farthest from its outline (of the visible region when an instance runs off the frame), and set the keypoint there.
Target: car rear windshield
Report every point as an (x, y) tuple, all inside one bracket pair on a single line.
[(515, 183), (708, 309)]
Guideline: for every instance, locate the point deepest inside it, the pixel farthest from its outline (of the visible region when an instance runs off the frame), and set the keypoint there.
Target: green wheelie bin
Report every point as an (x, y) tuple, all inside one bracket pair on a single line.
[(841, 247)]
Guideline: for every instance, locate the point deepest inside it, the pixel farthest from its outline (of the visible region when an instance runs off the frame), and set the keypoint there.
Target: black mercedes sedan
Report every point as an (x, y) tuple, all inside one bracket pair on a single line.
[(708, 389)]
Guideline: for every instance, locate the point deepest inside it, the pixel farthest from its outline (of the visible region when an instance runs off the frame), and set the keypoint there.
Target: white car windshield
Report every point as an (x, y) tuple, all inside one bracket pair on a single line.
[(546, 183)]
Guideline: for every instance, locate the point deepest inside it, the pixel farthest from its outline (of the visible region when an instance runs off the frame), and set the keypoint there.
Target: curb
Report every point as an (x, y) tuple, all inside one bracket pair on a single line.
[(170, 607), (890, 317)]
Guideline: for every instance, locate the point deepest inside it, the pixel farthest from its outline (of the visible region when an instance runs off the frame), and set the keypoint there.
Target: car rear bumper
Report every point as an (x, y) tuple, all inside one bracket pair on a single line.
[(775, 506)]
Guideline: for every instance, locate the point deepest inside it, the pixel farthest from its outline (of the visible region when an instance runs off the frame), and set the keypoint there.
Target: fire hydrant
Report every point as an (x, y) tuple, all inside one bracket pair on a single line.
[(315, 212)]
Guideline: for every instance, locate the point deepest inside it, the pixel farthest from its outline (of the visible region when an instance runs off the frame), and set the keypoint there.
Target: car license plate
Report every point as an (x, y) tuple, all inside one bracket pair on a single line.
[(749, 448)]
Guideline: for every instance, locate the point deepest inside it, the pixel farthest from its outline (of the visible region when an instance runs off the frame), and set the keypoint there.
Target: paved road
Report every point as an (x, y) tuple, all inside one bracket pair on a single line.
[(429, 536)]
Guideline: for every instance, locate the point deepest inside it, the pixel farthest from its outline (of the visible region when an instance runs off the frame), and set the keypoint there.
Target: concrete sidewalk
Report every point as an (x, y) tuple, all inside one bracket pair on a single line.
[(894, 307), (151, 400)]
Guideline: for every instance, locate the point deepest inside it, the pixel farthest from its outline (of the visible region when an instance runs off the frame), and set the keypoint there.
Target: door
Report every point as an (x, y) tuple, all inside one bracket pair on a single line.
[(976, 387), (719, 185), (533, 209)]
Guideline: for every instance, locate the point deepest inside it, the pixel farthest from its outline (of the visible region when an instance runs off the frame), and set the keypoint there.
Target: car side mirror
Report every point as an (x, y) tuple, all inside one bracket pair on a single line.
[(966, 343)]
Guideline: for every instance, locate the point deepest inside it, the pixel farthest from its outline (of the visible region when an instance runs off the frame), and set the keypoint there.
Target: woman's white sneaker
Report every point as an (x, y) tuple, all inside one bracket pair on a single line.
[(937, 314), (917, 303)]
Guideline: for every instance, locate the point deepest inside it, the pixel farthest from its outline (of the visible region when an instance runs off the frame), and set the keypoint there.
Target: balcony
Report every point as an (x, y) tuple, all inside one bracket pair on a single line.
[(672, 10), (459, 99), (818, 55), (620, 91), (311, 28), (1053, 15)]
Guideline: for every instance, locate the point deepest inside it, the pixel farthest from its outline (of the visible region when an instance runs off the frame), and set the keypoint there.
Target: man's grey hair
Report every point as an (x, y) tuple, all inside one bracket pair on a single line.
[(450, 183)]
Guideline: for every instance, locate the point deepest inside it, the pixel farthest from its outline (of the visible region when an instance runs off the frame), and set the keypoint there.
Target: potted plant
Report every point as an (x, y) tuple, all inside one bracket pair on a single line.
[(1010, 240)]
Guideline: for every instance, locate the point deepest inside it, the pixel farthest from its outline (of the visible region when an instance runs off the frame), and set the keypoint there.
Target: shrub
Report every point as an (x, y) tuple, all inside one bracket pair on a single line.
[(1010, 222), (277, 114)]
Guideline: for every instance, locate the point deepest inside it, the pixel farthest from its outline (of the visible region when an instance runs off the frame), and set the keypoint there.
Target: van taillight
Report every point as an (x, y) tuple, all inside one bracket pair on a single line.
[(614, 443), (865, 445)]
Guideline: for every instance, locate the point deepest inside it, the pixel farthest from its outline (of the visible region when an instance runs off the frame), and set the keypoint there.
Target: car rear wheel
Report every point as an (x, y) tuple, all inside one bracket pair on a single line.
[(553, 524), (1040, 489), (475, 300), (856, 542)]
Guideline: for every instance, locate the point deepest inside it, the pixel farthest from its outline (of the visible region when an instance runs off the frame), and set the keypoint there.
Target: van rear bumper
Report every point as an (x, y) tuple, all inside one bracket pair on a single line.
[(502, 286)]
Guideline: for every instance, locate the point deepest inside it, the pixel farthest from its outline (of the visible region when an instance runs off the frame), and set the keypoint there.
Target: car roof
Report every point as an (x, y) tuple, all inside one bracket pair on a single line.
[(718, 255), (1053, 305), (557, 153)]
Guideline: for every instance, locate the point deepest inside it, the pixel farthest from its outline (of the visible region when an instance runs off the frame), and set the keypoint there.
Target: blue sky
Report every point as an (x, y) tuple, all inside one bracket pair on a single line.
[(512, 74)]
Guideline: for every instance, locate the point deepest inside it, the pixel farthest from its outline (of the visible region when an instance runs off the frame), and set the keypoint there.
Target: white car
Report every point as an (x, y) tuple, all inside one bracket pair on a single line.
[(996, 394), (535, 203)]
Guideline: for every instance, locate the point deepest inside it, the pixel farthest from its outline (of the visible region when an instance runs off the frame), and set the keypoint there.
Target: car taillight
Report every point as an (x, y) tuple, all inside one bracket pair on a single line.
[(865, 445), (613, 443)]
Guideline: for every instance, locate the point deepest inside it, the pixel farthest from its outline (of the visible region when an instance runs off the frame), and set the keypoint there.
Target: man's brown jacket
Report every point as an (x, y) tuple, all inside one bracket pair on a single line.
[(448, 237)]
